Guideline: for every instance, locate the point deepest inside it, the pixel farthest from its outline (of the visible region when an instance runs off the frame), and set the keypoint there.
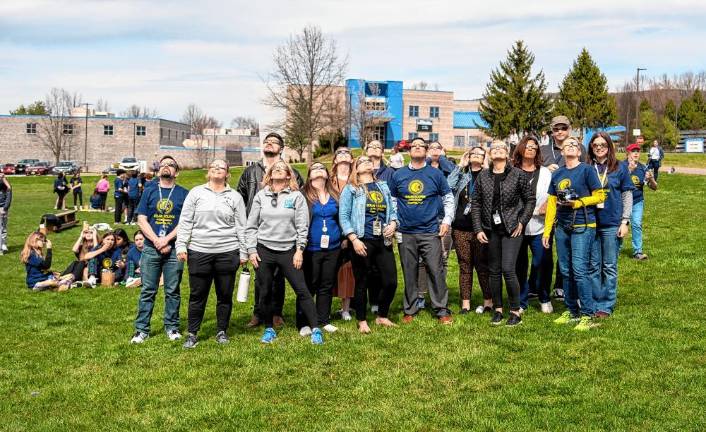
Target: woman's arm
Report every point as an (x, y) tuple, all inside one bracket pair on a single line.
[(186, 222), (344, 211), (301, 220), (252, 225)]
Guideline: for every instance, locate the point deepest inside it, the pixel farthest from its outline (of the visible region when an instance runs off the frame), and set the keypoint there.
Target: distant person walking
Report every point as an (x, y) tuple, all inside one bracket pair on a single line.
[(102, 187), (655, 159), (5, 201), (76, 183), (61, 189)]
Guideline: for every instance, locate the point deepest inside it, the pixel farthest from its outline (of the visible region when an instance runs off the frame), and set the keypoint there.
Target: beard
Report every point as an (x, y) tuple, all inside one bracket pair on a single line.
[(165, 175), (271, 154)]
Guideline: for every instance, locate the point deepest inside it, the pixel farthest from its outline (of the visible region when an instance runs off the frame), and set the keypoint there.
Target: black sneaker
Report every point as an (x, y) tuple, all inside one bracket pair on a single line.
[(421, 303), (514, 320), (559, 293), (463, 311), (497, 318), (533, 295), (222, 338), (191, 341)]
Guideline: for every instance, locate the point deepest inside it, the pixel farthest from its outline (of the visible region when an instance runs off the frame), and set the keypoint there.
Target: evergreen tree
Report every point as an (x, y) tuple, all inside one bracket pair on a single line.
[(670, 137), (644, 105), (650, 126), (670, 110), (688, 115), (700, 105), (583, 95), (36, 108), (515, 98)]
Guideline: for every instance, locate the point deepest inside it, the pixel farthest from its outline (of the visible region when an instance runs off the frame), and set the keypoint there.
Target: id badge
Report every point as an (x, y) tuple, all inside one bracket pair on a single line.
[(600, 205), (377, 228), (467, 209), (496, 218), (162, 232), (324, 241)]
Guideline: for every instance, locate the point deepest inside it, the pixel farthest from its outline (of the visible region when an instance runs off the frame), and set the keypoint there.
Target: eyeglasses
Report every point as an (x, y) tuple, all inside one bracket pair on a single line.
[(571, 144), (271, 141), (498, 147), (362, 160), (418, 145), (219, 167), (560, 128), (375, 146), (531, 147), (340, 152), (168, 165), (478, 154), (598, 145), (317, 167), (435, 148)]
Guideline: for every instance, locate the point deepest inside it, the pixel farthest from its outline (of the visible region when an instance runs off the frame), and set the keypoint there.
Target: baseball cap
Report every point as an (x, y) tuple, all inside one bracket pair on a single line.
[(560, 120), (633, 147)]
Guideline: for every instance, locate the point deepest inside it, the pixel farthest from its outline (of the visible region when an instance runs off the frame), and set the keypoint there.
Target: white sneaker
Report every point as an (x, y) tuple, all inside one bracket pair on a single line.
[(305, 331), (330, 328), (173, 335), (480, 309), (346, 316), (547, 307), (374, 309), (521, 311), (139, 337), (4, 248), (91, 282)]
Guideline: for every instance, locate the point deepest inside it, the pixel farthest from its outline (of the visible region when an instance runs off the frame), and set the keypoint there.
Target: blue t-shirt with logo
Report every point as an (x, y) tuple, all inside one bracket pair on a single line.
[(133, 187), (615, 184), (375, 209), (583, 180), (162, 207), (637, 177), (324, 214), (119, 183), (419, 194)]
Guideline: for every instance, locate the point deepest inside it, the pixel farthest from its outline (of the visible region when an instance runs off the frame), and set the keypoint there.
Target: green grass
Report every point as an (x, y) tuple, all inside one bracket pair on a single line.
[(65, 361)]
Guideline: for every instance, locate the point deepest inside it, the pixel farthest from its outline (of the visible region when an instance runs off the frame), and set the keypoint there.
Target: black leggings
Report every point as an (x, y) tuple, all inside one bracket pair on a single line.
[(78, 193), (384, 259), (207, 268), (75, 268), (320, 271), (270, 260), (502, 259)]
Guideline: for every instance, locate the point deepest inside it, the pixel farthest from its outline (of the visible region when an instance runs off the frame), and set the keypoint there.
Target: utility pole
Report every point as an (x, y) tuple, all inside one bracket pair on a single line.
[(134, 134), (85, 142), (637, 104)]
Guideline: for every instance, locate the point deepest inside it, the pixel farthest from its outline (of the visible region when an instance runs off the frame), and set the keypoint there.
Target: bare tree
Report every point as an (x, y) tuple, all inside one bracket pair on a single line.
[(242, 122), (102, 105), (198, 121), (56, 129), (307, 70), (364, 108), (135, 111)]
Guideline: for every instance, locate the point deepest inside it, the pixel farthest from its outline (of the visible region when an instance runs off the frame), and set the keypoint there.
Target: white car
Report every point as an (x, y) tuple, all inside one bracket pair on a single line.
[(129, 164)]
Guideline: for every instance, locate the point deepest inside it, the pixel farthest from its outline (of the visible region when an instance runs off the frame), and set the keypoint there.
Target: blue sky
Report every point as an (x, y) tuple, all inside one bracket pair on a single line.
[(167, 54)]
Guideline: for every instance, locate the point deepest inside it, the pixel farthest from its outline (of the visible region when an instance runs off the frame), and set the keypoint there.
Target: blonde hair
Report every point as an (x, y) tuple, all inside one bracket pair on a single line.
[(29, 246), (353, 178), (208, 178), (267, 180)]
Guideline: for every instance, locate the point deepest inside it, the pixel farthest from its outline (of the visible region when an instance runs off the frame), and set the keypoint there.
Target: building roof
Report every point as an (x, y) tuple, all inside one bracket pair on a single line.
[(468, 120)]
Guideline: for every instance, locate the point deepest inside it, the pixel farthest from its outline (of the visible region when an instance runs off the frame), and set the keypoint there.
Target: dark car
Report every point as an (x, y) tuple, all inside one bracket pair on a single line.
[(22, 165), (40, 168), (8, 169), (67, 167)]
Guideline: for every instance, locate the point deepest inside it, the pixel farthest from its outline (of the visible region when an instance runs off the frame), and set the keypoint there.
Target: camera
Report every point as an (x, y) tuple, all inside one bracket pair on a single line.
[(566, 195)]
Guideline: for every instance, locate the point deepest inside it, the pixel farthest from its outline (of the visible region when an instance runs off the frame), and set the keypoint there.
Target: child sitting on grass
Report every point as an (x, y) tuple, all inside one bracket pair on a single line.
[(119, 258), (37, 263), (134, 277), (99, 258), (77, 271), (95, 201)]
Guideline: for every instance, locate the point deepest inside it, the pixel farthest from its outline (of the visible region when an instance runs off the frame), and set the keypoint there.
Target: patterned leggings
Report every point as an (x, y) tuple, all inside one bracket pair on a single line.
[(471, 253)]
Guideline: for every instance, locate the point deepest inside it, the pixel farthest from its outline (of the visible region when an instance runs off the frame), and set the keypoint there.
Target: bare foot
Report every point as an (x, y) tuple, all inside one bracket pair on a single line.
[(363, 327), (385, 322)]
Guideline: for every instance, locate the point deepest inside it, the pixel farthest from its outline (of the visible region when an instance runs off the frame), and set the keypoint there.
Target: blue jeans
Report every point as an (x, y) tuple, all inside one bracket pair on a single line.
[(152, 265), (636, 224), (540, 273), (573, 247), (604, 268)]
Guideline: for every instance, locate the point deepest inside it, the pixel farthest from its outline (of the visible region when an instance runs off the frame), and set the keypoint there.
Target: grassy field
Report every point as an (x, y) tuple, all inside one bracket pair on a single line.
[(65, 362)]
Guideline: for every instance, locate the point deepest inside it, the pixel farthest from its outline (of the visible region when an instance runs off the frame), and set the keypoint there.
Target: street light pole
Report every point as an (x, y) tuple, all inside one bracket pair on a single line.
[(637, 105), (85, 142)]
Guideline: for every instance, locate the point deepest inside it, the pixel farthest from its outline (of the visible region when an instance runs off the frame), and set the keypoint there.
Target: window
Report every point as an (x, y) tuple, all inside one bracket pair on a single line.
[(161, 133), (411, 136), (459, 141), (434, 112), (32, 128), (68, 129), (169, 134), (140, 130), (414, 110), (183, 135), (108, 130), (374, 106), (433, 137)]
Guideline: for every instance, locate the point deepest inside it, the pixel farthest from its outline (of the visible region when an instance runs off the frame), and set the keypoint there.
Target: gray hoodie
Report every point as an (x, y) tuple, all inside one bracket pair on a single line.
[(279, 227), (212, 222)]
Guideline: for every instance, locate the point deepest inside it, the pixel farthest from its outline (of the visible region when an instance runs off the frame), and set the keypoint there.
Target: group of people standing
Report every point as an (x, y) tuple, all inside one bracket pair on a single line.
[(334, 233)]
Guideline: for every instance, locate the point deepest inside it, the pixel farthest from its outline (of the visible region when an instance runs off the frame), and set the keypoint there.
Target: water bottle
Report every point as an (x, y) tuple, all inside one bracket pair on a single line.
[(386, 240), (243, 286)]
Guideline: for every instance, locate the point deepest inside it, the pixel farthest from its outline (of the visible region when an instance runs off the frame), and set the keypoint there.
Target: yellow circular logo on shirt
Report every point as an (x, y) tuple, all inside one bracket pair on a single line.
[(107, 263), (564, 184), (416, 187), (165, 206), (635, 180), (375, 197)]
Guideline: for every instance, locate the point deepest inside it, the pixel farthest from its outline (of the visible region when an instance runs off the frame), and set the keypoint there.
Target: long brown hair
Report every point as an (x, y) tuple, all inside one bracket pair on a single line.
[(612, 161), (29, 246), (309, 190), (353, 178), (267, 180), (519, 152)]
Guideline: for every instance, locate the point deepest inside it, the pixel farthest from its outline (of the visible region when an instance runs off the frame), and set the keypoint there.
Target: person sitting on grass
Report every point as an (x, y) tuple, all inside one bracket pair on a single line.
[(77, 271), (133, 274), (96, 200), (37, 262), (119, 257), (100, 257)]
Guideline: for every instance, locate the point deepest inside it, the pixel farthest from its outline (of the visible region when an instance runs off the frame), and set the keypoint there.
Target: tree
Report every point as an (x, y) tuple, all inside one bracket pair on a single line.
[(692, 112), (242, 122), (670, 137), (135, 111), (650, 126), (102, 105), (514, 98), (670, 110), (198, 121), (56, 129), (583, 95), (36, 108), (307, 71), (645, 105)]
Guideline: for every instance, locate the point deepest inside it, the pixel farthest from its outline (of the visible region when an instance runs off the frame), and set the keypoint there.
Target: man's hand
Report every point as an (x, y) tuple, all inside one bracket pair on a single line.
[(482, 237), (160, 243), (518, 231), (443, 230), (622, 230), (389, 230), (165, 249)]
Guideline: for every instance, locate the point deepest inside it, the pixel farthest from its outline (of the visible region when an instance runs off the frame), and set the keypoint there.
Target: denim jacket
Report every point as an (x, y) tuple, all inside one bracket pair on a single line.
[(352, 208), (458, 180)]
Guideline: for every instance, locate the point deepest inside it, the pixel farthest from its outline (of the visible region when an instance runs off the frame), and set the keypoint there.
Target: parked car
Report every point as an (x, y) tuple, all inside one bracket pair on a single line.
[(40, 168), (129, 164), (8, 169), (22, 165), (67, 167)]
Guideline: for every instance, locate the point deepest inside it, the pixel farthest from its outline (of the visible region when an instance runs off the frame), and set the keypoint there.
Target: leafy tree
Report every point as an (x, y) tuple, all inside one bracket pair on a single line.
[(645, 105), (670, 110), (650, 126), (689, 115), (583, 95), (515, 98), (36, 108), (670, 137)]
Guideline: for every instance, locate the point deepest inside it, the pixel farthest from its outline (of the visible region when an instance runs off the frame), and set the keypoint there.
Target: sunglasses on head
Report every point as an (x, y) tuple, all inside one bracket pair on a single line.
[(560, 128)]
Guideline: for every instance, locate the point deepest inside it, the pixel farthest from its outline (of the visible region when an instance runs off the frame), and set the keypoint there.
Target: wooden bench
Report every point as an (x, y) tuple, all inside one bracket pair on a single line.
[(60, 221)]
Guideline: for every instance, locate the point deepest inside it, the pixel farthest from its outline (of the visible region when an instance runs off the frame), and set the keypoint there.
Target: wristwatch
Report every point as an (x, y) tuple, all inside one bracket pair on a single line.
[(626, 222)]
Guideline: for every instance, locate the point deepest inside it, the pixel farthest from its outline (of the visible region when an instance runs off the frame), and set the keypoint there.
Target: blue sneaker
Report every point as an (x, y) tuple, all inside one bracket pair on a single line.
[(269, 335), (317, 338)]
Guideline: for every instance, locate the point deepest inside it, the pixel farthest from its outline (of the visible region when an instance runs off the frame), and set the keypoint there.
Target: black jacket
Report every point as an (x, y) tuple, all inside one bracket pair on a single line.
[(251, 182), (517, 200)]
